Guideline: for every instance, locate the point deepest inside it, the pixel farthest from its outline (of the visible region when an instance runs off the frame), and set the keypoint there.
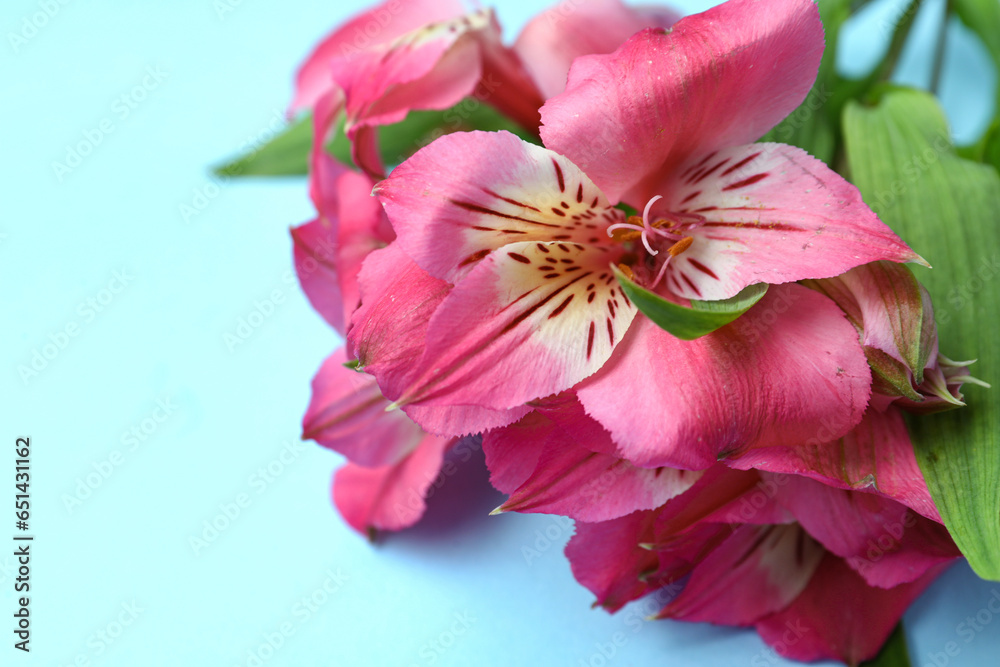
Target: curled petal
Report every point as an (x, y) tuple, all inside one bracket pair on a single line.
[(369, 29)]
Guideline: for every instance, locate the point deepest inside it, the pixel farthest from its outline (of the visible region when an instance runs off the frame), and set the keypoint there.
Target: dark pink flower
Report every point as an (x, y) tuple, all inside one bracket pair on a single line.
[(776, 552), (529, 236), (404, 56)]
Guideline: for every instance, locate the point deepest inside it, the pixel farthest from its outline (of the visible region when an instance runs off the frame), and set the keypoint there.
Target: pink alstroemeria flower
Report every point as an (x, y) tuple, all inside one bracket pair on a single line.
[(404, 56), (528, 235), (419, 54), (777, 552)]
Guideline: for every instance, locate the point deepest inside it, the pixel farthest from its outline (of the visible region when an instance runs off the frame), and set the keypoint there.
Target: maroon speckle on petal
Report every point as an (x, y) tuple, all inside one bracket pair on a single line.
[(590, 341), (559, 176), (474, 257), (509, 200), (704, 269), (704, 174), (690, 284), (476, 208), (519, 258), (561, 307), (756, 178), (739, 164)]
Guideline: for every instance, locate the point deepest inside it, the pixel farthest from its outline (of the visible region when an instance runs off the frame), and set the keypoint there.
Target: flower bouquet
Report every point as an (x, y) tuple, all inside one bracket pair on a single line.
[(673, 275)]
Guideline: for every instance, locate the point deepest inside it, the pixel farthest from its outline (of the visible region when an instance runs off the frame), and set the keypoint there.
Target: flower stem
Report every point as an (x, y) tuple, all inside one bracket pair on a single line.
[(899, 36), (939, 49)]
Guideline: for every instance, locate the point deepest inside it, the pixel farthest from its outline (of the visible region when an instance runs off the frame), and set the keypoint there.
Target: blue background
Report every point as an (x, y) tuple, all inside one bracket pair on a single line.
[(460, 589)]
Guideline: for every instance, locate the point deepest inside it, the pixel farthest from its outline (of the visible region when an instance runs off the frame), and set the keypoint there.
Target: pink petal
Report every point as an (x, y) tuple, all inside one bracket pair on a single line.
[(363, 229), (606, 558), (716, 79), (329, 250), (577, 473), (626, 558), (875, 456), (389, 336), (434, 67), (550, 42), (390, 497), (771, 214), (388, 331), (462, 420), (324, 171), (379, 25), (839, 616), (470, 193), (757, 571), (314, 248), (530, 320), (722, 496), (507, 84), (886, 543), (789, 367), (347, 414), (887, 304)]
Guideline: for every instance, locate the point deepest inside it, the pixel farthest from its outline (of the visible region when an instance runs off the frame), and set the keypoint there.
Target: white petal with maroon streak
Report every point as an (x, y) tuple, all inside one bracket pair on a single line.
[(532, 319)]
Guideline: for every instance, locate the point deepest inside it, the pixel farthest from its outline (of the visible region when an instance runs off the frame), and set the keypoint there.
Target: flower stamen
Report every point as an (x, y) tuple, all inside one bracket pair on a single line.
[(672, 251), (643, 230)]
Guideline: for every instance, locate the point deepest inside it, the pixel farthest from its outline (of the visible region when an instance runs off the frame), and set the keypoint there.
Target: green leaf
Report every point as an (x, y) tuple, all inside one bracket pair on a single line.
[(703, 317), (894, 653), (991, 146), (901, 158), (288, 153), (285, 155)]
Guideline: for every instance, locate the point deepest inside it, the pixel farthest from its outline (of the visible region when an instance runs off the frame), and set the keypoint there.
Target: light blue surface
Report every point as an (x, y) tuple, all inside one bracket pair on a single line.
[(462, 589)]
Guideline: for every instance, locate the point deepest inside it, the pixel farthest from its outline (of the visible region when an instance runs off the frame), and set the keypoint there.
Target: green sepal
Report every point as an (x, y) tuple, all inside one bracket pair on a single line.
[(703, 317)]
